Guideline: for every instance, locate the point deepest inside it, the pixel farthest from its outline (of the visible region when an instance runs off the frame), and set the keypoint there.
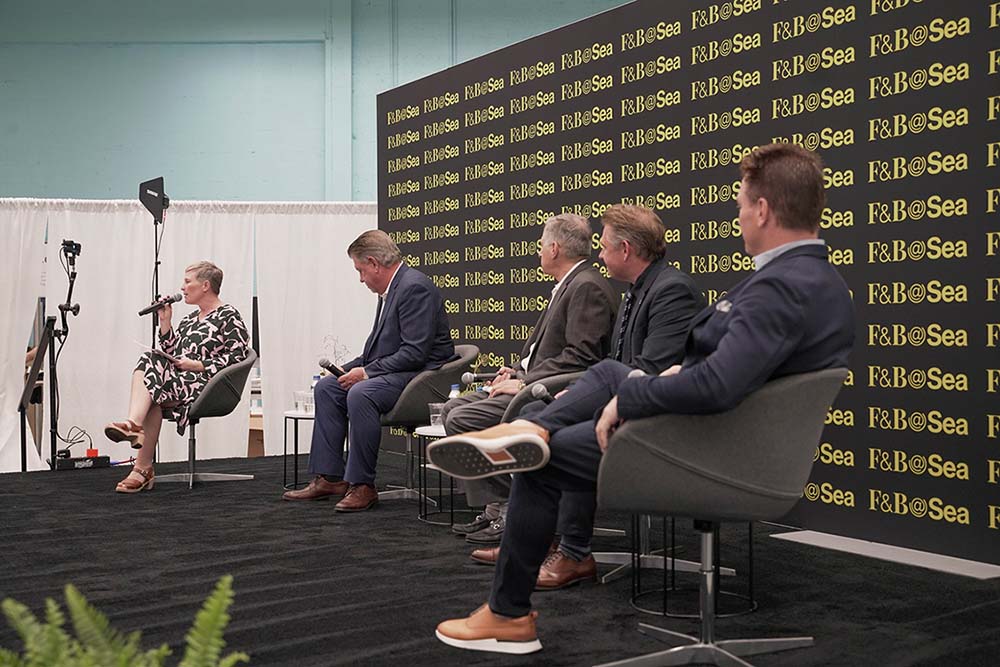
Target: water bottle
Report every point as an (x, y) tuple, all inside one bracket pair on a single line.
[(454, 392)]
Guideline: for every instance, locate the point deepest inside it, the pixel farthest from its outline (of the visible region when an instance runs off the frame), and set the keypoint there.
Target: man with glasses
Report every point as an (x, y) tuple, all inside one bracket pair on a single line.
[(573, 333)]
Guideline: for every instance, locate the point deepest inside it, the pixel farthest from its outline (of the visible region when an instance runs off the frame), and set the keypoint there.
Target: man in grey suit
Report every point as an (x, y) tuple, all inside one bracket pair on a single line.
[(573, 333), (649, 334)]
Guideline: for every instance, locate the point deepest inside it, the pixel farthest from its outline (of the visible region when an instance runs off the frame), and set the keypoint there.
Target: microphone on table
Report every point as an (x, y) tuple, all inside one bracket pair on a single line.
[(470, 378), (541, 392), (160, 303)]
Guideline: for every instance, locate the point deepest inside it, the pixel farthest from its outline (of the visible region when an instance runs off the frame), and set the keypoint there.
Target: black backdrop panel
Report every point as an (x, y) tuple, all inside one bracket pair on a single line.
[(655, 103)]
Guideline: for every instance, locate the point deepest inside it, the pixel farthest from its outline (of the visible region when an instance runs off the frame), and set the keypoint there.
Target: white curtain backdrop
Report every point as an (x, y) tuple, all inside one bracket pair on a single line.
[(114, 282), (310, 301), (22, 236)]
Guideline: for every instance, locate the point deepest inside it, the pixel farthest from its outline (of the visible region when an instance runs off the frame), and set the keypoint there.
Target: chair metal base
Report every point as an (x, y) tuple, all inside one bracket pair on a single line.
[(623, 560), (395, 492), (190, 478), (409, 491), (648, 559), (724, 653)]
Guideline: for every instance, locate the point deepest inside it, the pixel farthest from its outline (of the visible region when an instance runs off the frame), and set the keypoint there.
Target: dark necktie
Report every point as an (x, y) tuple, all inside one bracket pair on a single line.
[(626, 312), (371, 337), (378, 312)]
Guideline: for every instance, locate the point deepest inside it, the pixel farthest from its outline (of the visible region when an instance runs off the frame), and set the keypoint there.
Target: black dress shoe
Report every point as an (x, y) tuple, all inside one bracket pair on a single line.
[(491, 534), (482, 520)]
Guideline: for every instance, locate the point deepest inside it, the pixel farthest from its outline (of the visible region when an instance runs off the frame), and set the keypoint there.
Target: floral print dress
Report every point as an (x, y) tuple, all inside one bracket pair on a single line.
[(218, 341)]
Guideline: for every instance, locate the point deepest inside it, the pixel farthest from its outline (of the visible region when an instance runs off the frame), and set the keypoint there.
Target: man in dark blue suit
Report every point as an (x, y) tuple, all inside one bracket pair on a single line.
[(792, 315), (410, 335)]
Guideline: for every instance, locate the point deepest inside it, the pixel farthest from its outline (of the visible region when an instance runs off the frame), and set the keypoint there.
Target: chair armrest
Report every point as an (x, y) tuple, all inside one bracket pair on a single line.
[(554, 383)]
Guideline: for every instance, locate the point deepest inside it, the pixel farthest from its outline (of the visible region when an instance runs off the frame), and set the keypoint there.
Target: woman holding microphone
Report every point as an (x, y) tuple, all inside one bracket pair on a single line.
[(166, 383)]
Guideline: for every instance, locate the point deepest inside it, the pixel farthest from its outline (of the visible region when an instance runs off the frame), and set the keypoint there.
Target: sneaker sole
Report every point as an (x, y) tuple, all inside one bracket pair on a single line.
[(492, 645), (465, 457)]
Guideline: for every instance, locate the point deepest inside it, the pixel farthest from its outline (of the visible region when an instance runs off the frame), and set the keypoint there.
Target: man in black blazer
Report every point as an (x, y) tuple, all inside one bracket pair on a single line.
[(794, 314), (571, 334), (649, 334), (410, 334)]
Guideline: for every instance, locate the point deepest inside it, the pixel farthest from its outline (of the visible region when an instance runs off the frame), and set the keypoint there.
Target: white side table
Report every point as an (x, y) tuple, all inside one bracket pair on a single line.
[(426, 434)]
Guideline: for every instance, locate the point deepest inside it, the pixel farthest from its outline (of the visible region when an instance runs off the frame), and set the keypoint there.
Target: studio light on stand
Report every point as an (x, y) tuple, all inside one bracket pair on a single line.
[(156, 201)]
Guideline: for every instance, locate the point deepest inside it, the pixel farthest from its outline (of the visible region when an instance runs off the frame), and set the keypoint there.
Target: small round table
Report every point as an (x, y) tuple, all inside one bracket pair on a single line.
[(426, 434), (295, 416)]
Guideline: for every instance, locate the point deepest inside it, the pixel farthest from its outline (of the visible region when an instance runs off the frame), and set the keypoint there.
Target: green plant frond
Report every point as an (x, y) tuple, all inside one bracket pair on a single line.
[(233, 659), (53, 614), (92, 627), (155, 657), (50, 646), (21, 619), (10, 659), (204, 640), (97, 644)]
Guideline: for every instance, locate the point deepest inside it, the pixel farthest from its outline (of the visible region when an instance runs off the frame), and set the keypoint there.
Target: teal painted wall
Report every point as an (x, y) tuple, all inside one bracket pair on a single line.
[(227, 99)]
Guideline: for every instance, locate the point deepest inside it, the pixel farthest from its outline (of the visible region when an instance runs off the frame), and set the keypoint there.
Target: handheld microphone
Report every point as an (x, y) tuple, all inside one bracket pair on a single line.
[(160, 303), (541, 392), (332, 368), (469, 378)]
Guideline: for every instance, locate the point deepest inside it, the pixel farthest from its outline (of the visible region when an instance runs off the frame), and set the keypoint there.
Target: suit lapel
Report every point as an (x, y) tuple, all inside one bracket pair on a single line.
[(390, 299), (540, 329)]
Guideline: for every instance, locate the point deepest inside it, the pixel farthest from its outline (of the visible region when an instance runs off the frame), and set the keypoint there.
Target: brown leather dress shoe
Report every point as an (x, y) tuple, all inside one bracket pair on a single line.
[(486, 555), (485, 631), (490, 555), (318, 489), (360, 497), (560, 571)]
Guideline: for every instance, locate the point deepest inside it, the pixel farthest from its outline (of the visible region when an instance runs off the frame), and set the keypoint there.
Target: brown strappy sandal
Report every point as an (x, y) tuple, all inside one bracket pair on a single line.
[(125, 430), (132, 485)]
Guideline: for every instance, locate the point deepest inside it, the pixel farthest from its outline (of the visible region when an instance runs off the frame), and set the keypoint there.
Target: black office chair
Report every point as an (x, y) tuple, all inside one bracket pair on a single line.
[(748, 464), (219, 397), (410, 412)]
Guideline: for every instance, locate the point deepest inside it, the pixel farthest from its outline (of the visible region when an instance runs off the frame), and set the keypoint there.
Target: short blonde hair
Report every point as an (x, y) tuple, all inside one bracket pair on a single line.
[(205, 270)]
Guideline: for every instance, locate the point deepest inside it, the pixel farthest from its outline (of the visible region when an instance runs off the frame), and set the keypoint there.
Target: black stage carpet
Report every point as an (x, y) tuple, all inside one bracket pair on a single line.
[(314, 587)]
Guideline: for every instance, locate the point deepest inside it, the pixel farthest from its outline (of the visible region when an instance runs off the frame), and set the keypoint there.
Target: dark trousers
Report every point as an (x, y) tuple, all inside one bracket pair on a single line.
[(576, 508), (360, 408), (534, 500)]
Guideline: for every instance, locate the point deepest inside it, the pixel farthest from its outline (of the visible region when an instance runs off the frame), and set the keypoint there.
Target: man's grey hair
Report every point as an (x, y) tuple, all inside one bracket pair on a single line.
[(571, 232), (375, 243)]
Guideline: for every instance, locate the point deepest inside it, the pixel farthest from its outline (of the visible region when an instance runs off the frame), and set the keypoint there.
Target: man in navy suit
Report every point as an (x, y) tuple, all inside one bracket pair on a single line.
[(410, 335), (792, 315)]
